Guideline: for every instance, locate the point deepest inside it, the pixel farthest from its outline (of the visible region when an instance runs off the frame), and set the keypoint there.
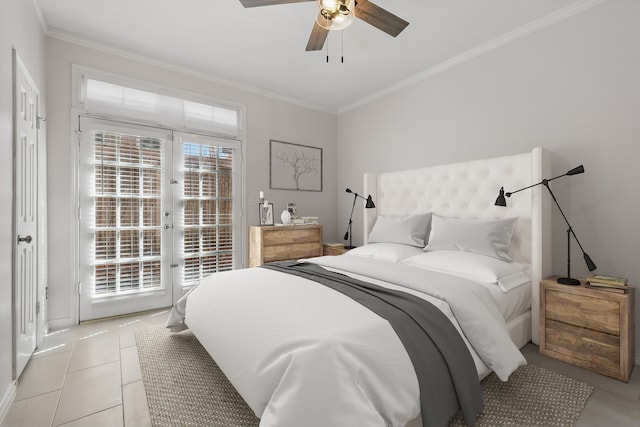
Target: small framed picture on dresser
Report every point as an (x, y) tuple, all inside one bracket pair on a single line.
[(266, 213)]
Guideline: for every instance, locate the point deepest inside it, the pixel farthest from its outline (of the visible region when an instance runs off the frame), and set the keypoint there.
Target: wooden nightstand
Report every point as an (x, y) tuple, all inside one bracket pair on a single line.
[(589, 328), (333, 249), (281, 243)]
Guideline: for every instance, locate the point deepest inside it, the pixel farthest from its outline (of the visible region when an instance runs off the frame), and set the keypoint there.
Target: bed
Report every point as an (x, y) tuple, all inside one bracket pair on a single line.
[(301, 354)]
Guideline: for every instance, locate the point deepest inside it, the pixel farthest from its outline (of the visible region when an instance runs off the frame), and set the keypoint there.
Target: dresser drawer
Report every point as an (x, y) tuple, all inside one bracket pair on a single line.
[(586, 347), (583, 311), (289, 236), (285, 252)]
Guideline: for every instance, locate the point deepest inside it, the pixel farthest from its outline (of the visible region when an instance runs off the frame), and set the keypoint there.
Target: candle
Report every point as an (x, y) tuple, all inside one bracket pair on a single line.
[(262, 194)]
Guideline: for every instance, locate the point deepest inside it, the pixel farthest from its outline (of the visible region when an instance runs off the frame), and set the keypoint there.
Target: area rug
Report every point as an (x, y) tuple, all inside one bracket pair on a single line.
[(185, 387)]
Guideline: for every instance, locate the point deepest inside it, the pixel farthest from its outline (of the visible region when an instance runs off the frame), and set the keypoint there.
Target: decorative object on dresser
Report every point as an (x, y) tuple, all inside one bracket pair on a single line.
[(281, 243), (501, 201), (266, 213), (333, 248), (589, 328), (285, 217), (294, 166), (370, 205)]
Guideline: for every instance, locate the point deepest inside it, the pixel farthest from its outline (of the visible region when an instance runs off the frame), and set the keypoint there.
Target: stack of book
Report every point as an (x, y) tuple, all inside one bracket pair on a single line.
[(607, 283), (310, 219)]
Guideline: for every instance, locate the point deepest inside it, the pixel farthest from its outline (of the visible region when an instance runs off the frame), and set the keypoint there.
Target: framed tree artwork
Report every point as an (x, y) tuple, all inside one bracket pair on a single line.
[(295, 166)]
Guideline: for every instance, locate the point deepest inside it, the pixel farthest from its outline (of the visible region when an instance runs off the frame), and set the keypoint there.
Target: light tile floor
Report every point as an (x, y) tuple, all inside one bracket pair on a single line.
[(88, 375)]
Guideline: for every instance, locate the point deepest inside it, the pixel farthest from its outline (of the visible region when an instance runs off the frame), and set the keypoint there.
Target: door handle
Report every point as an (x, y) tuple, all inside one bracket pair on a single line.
[(26, 239)]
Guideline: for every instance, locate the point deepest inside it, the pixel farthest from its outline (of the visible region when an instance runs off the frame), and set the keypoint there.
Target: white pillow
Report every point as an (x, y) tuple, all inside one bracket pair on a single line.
[(480, 236), (392, 252), (406, 230), (507, 275)]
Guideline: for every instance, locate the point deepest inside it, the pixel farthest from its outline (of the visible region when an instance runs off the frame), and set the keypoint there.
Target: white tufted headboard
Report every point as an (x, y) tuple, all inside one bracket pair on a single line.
[(469, 190)]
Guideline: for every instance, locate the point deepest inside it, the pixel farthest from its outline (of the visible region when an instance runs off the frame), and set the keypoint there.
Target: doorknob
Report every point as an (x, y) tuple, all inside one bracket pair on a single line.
[(26, 239)]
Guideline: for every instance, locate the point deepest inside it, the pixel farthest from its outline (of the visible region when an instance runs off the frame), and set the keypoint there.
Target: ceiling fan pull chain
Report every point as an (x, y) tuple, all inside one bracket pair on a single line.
[(327, 45), (342, 46)]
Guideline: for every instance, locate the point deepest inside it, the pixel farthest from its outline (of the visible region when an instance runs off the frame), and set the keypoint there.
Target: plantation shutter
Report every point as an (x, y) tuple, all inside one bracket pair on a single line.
[(127, 171), (208, 231)]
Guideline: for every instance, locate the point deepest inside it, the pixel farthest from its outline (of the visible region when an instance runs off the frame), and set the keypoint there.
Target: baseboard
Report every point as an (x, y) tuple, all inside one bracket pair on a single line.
[(56, 324), (7, 400)]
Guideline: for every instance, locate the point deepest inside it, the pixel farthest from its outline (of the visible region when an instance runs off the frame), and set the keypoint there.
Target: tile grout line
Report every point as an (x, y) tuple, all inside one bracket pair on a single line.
[(64, 381)]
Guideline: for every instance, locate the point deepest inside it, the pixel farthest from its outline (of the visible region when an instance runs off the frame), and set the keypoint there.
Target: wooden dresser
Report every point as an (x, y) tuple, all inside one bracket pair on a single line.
[(589, 328), (281, 243)]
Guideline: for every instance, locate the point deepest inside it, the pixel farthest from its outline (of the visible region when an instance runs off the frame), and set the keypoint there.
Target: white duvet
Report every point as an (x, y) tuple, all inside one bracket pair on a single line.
[(301, 354)]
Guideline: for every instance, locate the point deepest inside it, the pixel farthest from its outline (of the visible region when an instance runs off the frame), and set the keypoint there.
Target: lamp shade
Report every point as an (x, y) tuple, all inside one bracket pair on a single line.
[(576, 170), (590, 264), (501, 201), (370, 203)]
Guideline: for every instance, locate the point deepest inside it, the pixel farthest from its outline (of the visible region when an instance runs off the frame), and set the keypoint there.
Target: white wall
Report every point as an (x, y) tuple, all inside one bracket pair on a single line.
[(19, 29), (572, 87), (266, 119)]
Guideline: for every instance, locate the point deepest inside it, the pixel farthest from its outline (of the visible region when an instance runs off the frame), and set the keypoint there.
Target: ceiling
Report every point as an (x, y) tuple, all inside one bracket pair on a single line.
[(262, 49)]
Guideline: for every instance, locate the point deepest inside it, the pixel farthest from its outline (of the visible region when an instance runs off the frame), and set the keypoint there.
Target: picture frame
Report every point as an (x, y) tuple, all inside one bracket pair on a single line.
[(294, 166), (265, 213)]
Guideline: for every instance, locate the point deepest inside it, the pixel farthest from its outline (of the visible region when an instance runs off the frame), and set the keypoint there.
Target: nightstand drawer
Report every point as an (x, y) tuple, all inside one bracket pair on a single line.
[(591, 347), (585, 311)]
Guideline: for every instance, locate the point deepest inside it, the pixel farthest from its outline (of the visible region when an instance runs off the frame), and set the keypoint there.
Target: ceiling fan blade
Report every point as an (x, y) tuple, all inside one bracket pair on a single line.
[(378, 17), (256, 3), (317, 38)]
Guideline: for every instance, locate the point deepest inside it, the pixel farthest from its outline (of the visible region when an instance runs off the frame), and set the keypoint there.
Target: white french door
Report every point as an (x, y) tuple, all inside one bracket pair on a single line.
[(156, 215), (206, 194)]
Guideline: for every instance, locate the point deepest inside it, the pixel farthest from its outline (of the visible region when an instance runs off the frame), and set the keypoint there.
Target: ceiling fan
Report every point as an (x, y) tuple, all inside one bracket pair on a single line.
[(339, 14)]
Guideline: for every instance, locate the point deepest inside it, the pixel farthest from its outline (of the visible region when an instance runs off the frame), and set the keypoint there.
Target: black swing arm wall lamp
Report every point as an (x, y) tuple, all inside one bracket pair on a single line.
[(501, 201), (348, 235)]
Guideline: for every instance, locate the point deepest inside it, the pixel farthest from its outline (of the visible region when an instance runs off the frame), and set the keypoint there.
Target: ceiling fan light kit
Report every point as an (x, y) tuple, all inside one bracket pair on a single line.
[(339, 14), (335, 14)]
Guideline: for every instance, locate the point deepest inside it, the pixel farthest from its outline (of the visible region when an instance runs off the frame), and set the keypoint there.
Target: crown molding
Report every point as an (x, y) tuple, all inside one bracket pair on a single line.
[(43, 20), (65, 36), (538, 24)]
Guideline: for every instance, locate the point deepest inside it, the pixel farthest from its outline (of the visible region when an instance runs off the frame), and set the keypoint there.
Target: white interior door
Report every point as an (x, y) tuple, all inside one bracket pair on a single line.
[(126, 218), (26, 97)]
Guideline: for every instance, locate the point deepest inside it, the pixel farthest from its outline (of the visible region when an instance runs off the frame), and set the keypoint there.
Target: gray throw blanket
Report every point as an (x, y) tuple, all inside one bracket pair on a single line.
[(444, 366)]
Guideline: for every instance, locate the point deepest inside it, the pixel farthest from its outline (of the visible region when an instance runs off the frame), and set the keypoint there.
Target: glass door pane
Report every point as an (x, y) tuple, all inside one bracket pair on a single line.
[(207, 219), (125, 229)]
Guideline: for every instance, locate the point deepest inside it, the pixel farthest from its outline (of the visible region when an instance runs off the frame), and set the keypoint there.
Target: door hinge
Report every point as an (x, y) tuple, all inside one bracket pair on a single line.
[(37, 307), (174, 265), (79, 213), (46, 292), (173, 181), (79, 288)]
